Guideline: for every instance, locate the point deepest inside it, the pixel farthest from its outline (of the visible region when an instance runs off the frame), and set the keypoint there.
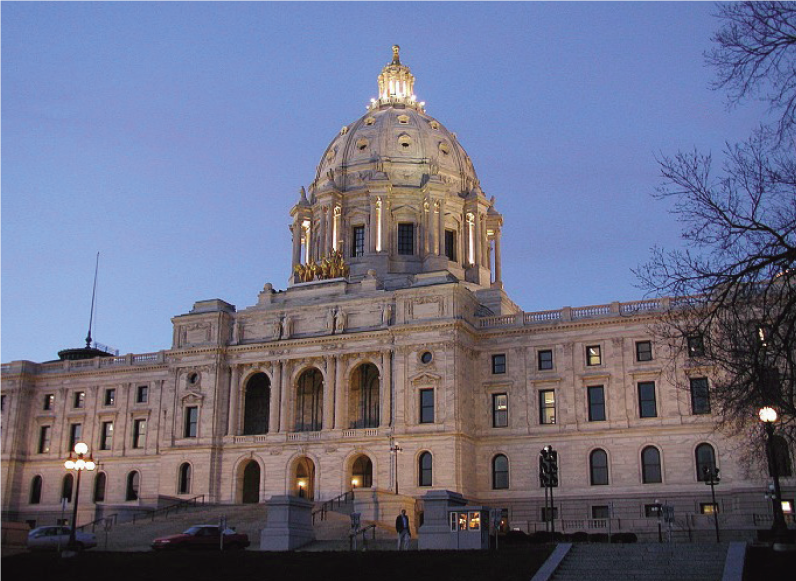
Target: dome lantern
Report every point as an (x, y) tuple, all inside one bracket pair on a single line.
[(396, 85)]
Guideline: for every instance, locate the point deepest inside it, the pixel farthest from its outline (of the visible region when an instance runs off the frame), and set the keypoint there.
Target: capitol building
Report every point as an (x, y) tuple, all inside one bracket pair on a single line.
[(393, 364)]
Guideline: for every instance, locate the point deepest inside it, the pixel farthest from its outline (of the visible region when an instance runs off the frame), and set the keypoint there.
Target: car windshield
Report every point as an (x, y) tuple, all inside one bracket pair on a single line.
[(199, 531)]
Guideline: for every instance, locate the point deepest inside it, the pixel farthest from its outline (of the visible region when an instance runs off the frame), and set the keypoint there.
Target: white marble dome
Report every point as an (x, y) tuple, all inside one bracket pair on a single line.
[(395, 140)]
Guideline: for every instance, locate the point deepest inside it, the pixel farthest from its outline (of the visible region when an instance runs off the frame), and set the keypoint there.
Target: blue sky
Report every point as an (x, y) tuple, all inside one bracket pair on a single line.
[(173, 138)]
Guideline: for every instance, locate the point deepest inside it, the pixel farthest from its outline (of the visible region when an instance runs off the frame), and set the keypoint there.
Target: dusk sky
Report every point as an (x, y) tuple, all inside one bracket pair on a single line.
[(173, 138)]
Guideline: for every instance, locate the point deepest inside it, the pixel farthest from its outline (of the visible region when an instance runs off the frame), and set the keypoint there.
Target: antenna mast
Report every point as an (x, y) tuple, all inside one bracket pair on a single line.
[(93, 294)]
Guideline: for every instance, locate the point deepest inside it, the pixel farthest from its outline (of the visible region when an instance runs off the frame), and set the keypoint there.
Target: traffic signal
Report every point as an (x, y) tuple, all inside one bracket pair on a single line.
[(553, 468), (548, 467)]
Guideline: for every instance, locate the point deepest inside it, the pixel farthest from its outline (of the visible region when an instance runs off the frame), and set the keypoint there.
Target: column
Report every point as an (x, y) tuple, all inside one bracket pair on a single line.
[(386, 389), (322, 232), (484, 243), (441, 228), (286, 398), (340, 395), (276, 397), (386, 236), (372, 228), (477, 238), (232, 426), (427, 219), (498, 274), (328, 393), (296, 242)]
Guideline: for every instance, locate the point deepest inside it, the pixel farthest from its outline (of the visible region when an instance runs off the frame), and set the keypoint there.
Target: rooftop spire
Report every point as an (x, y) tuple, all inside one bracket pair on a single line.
[(396, 84)]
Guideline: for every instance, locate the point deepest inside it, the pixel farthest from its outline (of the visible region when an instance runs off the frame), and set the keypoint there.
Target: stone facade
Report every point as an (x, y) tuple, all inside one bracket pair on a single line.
[(407, 341)]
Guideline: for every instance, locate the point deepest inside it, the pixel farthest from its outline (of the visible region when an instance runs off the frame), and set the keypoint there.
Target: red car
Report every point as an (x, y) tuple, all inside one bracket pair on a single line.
[(202, 537)]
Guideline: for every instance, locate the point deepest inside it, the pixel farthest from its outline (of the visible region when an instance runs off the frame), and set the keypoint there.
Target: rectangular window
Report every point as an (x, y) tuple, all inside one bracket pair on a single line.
[(652, 510), (700, 397), (708, 508), (547, 406), (49, 401), (110, 396), (358, 241), (696, 346), (75, 433), (545, 359), (79, 399), (644, 351), (499, 363), (596, 395), (450, 245), (593, 355), (2, 403), (142, 395), (600, 512), (646, 400), (191, 422), (406, 239), (44, 440), (500, 410), (139, 433), (106, 437), (426, 406)]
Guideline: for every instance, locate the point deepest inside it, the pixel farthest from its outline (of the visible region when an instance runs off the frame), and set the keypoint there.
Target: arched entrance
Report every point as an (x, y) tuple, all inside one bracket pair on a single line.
[(362, 473), (251, 483), (304, 478), (257, 404)]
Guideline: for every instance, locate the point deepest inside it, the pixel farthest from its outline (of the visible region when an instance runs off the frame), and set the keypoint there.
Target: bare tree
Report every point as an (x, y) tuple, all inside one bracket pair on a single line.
[(754, 57), (734, 287)]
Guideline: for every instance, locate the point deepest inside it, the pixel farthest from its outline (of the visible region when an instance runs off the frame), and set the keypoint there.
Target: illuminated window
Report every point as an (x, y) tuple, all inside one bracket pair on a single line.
[(500, 410), (593, 355), (79, 401), (708, 508), (110, 396), (44, 439), (547, 406), (49, 401)]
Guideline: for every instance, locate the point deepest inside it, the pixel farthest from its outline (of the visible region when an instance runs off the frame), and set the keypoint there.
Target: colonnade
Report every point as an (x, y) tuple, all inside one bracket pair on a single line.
[(284, 374)]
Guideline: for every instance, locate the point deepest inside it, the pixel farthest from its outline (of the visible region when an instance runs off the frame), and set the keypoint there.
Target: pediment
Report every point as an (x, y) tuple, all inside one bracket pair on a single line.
[(425, 378)]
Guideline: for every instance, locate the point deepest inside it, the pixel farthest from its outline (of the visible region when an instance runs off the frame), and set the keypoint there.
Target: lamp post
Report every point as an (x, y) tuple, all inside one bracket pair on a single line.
[(712, 479), (394, 449), (768, 416), (79, 460)]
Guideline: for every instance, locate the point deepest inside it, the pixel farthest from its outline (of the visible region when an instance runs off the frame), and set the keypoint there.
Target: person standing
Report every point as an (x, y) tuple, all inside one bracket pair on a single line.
[(402, 528)]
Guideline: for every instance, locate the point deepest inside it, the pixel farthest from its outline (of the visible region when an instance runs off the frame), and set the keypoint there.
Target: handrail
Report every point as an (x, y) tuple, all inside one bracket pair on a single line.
[(352, 536), (191, 502), (342, 499)]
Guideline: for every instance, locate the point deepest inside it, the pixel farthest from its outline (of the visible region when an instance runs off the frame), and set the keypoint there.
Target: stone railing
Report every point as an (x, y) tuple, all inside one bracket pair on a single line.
[(129, 360), (575, 313)]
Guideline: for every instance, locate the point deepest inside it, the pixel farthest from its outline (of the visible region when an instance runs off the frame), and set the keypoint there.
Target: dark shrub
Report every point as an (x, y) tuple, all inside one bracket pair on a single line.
[(598, 538), (624, 538), (580, 537)]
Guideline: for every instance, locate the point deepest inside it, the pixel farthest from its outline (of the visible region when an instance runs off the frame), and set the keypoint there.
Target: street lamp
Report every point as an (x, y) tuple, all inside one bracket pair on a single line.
[(711, 474), (79, 460), (768, 416), (394, 449)]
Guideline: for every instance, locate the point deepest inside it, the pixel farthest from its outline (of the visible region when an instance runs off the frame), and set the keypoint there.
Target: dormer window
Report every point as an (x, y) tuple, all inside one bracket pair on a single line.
[(403, 119), (362, 144), (435, 125), (370, 121), (405, 141), (444, 148), (344, 130)]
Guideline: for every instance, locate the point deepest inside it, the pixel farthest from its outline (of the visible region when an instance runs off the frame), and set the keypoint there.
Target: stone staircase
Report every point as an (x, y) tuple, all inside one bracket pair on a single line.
[(138, 536), (643, 561), (331, 534)]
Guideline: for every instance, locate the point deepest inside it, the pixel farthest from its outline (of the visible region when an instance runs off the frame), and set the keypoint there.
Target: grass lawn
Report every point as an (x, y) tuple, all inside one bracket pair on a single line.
[(512, 564)]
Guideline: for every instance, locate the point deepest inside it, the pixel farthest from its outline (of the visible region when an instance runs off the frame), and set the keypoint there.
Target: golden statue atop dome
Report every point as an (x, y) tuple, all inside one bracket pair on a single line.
[(395, 59)]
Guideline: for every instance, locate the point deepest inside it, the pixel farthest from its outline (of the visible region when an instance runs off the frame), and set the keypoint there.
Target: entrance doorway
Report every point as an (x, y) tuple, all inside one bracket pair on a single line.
[(251, 483)]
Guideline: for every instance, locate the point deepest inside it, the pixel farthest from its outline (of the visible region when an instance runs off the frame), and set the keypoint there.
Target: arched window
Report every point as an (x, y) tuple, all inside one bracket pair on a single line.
[(364, 400), (362, 473), (598, 468), (184, 486), (500, 472), (705, 458), (99, 487), (257, 404), (650, 465), (779, 449), (309, 401), (425, 467), (133, 483), (66, 488), (35, 490)]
